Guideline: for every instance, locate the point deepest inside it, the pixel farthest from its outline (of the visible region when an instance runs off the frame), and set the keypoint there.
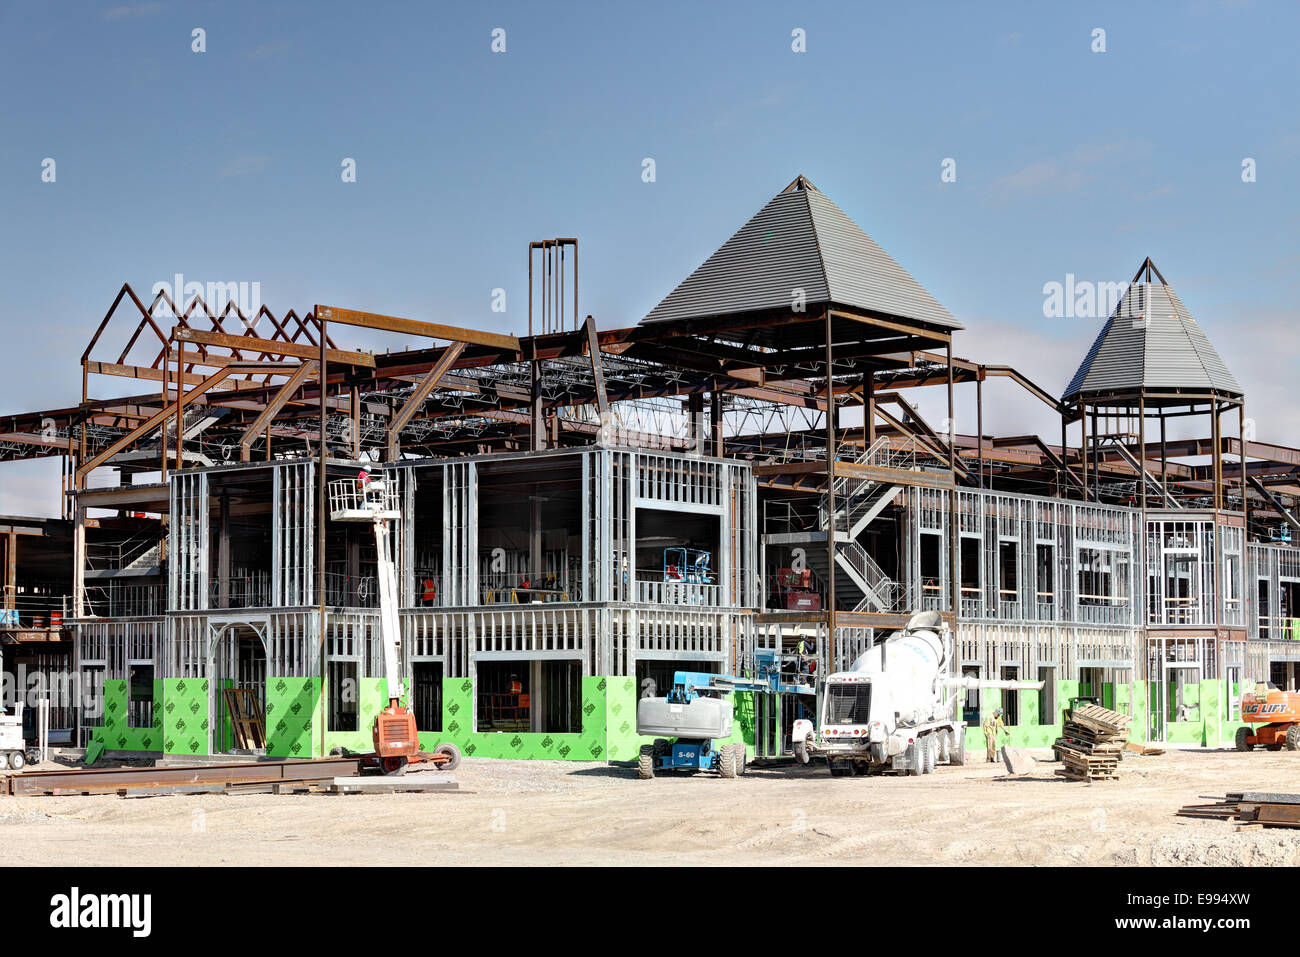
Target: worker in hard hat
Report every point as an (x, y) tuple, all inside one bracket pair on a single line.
[(992, 725)]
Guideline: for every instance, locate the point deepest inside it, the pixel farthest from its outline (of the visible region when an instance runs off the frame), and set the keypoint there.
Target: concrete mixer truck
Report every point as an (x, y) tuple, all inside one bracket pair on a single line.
[(897, 708)]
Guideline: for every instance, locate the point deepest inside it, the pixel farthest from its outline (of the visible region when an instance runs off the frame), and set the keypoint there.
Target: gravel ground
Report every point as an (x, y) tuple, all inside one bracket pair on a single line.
[(519, 812)]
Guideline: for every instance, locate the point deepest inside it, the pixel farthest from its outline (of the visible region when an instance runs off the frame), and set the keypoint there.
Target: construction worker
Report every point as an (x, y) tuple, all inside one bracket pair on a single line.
[(992, 725), (806, 663), (515, 687)]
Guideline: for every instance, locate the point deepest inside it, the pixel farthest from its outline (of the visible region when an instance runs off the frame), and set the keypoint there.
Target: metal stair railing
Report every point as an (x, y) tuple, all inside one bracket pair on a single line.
[(113, 556), (878, 589)]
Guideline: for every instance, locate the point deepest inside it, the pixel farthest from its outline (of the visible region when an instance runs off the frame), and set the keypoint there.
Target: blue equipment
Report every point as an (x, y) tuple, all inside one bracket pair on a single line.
[(696, 720), (692, 565)]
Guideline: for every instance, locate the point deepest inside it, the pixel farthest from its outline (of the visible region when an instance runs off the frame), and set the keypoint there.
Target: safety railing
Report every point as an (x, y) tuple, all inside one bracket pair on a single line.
[(1279, 628), (353, 499), (351, 591), (526, 588), (249, 590), (889, 594), (120, 600), (677, 593), (141, 547)]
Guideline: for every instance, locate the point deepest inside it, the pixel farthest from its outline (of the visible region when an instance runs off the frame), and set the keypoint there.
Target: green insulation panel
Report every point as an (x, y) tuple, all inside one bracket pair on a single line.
[(115, 734), (293, 716), (186, 716), (372, 698), (587, 744), (622, 743)]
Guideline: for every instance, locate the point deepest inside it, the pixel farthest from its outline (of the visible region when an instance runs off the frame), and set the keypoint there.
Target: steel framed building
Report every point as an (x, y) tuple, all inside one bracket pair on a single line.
[(557, 492)]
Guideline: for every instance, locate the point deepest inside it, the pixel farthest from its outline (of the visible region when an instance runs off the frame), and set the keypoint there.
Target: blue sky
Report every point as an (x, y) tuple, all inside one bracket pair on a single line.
[(225, 165)]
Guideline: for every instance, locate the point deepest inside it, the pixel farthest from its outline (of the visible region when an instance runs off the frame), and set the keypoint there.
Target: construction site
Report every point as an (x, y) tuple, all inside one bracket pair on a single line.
[(286, 533)]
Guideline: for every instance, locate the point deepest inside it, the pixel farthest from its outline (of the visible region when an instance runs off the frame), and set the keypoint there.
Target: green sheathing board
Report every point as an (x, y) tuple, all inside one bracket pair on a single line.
[(185, 715), (226, 741), (742, 728), (1211, 693), (1127, 698), (114, 733), (372, 698), (1138, 709), (589, 744), (622, 743), (293, 716)]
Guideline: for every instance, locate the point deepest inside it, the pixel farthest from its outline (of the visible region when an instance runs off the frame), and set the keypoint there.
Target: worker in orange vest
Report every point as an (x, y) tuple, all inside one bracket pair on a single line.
[(515, 687)]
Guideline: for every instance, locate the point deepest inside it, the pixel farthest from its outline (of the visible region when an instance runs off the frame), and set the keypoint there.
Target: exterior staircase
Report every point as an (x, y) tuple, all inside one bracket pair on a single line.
[(858, 502)]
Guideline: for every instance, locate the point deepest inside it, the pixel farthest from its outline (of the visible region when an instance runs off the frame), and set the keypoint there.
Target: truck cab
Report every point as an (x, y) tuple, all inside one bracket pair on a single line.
[(846, 716)]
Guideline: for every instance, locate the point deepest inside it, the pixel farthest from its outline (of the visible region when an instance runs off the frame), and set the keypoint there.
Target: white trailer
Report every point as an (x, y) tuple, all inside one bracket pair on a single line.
[(897, 708), (13, 746)]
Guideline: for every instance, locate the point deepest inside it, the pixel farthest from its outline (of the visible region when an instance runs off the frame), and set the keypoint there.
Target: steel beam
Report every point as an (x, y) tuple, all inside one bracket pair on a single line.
[(416, 398)]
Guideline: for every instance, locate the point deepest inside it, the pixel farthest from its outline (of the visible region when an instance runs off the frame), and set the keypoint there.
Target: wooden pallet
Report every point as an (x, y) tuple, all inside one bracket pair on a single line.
[(1101, 720), (246, 718), (1089, 775)]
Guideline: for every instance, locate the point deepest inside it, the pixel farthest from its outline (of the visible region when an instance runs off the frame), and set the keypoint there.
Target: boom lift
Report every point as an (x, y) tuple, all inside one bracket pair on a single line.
[(696, 718), (395, 736), (1275, 715)]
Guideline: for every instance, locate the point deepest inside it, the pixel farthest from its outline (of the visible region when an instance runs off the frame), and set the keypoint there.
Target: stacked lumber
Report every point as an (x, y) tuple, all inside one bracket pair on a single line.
[(1091, 742), (1251, 809)]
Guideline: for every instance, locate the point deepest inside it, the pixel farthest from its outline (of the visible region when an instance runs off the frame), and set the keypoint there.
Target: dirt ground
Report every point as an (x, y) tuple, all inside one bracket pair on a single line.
[(519, 812)]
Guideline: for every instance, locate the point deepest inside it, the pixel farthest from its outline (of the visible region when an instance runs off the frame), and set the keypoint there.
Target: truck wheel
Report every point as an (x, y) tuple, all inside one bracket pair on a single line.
[(957, 749), (727, 761), (801, 752), (645, 762), (1293, 738), (927, 755), (1243, 733), (16, 760), (914, 759), (453, 756), (945, 747), (740, 756)]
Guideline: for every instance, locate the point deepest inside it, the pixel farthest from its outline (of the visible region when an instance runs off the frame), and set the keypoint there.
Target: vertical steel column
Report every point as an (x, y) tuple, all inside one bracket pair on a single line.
[(1142, 450), (715, 418), (830, 493), (320, 518), (180, 406), (1245, 508)]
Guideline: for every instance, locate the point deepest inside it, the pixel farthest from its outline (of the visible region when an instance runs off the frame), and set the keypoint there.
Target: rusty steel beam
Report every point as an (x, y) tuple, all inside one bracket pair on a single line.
[(303, 373), (272, 347), (108, 780), (417, 397), (159, 417), (416, 327)]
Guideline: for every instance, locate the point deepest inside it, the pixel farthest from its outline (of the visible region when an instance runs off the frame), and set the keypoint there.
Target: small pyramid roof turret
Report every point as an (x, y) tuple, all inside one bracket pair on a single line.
[(1151, 343)]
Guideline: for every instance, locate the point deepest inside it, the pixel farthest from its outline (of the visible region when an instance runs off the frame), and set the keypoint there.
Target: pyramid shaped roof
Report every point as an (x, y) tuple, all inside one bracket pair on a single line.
[(801, 240), (1151, 342)]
